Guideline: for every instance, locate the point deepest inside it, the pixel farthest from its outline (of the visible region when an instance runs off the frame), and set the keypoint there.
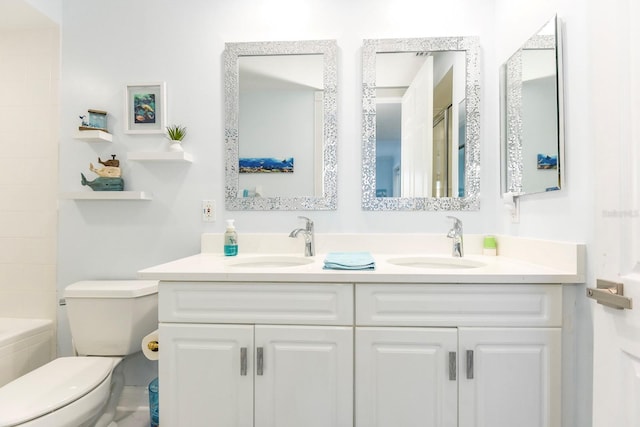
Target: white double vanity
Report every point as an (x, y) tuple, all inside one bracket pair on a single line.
[(270, 338)]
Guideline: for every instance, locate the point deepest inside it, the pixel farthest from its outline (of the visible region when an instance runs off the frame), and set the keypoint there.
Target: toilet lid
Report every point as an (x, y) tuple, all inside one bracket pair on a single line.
[(50, 387)]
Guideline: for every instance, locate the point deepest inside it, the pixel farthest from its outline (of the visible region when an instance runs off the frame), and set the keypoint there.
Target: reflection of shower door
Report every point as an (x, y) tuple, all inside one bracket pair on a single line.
[(441, 172), (396, 182), (318, 144)]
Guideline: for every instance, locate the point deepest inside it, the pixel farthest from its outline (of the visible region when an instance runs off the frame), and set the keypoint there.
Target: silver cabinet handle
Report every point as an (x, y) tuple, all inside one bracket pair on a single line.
[(610, 294), (452, 366), (259, 361), (469, 364), (243, 361)]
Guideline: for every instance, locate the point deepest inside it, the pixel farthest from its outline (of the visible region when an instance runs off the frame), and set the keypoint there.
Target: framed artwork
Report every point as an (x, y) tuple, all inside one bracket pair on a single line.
[(145, 108), (266, 165), (546, 161)]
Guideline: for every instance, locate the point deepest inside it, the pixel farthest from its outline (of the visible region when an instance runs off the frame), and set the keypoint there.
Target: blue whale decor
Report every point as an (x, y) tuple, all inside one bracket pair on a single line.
[(102, 183), (109, 177)]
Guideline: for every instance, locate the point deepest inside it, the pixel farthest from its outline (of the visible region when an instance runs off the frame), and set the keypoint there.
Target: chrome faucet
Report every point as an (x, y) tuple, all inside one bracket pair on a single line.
[(456, 234), (309, 241)]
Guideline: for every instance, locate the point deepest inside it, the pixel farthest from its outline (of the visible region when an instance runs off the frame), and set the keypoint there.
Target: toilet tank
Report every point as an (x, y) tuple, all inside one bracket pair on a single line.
[(110, 317)]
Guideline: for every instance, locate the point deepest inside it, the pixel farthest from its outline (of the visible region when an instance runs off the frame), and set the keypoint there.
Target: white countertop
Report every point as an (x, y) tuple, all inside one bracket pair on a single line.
[(519, 260), (542, 265)]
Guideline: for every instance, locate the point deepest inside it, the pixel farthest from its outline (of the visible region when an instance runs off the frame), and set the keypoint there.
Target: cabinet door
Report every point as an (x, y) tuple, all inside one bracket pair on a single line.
[(203, 380), (510, 377), (406, 377), (305, 377)]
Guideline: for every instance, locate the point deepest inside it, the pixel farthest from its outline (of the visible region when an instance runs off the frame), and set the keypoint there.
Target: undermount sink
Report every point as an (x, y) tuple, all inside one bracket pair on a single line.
[(269, 261), (435, 262)]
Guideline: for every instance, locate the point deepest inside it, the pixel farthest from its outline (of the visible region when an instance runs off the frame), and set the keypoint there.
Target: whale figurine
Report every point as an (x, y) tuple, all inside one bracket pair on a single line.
[(113, 162), (107, 171), (103, 183)]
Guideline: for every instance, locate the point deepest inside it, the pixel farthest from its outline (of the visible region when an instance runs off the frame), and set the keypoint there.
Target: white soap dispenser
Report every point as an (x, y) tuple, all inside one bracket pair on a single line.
[(230, 240)]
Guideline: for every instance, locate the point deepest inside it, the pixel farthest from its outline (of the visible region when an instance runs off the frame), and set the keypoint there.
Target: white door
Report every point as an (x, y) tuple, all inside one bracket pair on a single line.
[(405, 377), (204, 377), (509, 377), (615, 92), (303, 376), (416, 133), (616, 360)]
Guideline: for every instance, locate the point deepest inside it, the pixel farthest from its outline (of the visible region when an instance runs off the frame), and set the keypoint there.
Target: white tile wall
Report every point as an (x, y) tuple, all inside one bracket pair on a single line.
[(29, 116)]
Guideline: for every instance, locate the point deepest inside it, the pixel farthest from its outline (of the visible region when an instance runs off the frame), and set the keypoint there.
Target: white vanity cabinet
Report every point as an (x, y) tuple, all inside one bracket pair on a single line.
[(458, 355), (237, 354), (264, 355), (403, 377), (509, 377), (374, 348), (201, 376)]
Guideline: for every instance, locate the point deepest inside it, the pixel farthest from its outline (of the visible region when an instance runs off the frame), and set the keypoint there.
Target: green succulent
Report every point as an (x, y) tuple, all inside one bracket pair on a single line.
[(176, 132)]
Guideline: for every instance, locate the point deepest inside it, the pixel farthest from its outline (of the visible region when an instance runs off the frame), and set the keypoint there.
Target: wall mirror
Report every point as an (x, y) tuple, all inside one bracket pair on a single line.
[(280, 125), (532, 115), (420, 124)]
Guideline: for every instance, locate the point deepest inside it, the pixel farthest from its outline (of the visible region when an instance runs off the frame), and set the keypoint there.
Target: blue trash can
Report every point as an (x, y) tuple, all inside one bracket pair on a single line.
[(154, 407)]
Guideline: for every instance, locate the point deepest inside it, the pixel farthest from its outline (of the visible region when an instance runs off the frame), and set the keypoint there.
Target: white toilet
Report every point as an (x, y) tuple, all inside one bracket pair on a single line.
[(108, 320)]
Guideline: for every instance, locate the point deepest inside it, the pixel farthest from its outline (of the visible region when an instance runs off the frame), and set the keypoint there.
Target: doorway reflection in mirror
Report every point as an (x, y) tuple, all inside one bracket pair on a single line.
[(420, 124), (416, 123)]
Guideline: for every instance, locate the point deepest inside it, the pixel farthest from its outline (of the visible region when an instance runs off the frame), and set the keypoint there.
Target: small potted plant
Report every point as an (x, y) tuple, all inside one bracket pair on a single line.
[(176, 134)]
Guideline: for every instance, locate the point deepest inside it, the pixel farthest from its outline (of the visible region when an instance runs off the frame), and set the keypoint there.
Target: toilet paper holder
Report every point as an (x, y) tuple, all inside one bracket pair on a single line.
[(610, 294)]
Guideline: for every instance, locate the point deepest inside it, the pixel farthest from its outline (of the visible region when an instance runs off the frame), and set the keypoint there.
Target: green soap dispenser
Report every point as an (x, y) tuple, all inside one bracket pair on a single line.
[(230, 240)]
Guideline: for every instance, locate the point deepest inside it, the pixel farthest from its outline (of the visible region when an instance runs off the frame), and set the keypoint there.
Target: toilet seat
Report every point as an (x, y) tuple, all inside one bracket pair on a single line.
[(51, 387)]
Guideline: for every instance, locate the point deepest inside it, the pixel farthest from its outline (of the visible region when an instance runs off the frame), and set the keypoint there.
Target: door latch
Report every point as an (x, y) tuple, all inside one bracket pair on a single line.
[(610, 294)]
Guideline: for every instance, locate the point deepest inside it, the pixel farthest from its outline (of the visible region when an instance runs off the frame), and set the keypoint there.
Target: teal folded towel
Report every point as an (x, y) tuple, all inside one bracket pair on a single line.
[(349, 261)]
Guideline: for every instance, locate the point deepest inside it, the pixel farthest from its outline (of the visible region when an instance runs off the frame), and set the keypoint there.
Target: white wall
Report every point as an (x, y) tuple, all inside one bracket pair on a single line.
[(557, 215), (567, 214), (266, 133), (539, 126), (29, 79), (106, 45), (50, 8)]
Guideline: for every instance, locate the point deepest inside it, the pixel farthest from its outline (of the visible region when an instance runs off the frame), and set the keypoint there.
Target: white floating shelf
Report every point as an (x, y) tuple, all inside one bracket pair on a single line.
[(160, 156), (93, 136), (106, 195)]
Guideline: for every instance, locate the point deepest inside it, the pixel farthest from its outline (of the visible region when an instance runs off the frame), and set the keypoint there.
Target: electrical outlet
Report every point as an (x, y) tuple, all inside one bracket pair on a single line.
[(208, 211)]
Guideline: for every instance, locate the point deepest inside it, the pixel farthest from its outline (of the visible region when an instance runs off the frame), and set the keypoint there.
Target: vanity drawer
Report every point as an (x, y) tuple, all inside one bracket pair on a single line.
[(266, 303), (458, 305)]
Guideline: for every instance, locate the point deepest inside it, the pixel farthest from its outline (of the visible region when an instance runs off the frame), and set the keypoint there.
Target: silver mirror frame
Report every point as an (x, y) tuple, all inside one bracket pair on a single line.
[(328, 200), (470, 202), (511, 107)]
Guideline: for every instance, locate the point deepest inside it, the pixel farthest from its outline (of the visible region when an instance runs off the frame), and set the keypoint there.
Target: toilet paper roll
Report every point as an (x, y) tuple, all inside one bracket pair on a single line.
[(150, 347)]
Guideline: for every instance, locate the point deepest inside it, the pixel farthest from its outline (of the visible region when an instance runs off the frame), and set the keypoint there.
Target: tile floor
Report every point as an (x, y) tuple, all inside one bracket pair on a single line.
[(133, 409)]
